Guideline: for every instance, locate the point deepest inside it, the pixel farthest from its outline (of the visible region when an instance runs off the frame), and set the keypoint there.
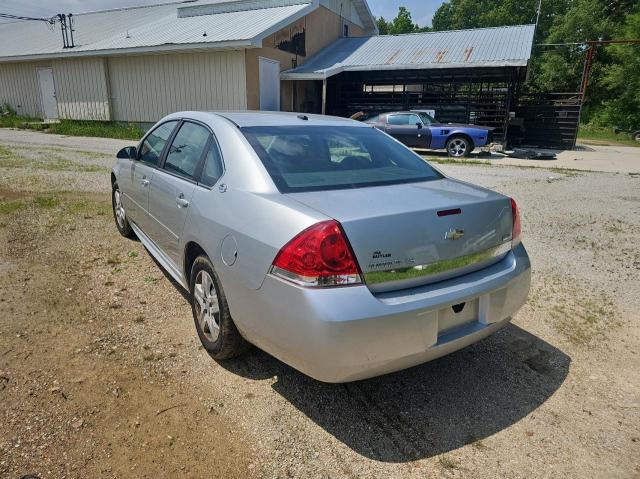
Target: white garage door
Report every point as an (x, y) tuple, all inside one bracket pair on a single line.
[(269, 84)]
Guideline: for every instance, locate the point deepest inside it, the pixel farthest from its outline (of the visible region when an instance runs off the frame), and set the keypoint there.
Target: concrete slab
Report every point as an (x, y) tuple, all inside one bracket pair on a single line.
[(606, 158)]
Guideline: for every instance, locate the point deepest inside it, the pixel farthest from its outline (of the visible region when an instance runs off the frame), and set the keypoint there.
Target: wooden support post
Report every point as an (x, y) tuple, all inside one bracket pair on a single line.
[(324, 96)]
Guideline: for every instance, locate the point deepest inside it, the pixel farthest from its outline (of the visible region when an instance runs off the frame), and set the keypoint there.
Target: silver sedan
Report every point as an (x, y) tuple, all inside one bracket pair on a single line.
[(321, 240)]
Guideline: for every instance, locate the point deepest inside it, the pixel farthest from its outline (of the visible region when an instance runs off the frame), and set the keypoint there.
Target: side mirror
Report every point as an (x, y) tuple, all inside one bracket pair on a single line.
[(419, 125), (127, 153)]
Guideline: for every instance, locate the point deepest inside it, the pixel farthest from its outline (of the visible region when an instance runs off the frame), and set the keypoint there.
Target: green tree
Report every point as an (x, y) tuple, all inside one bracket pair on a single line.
[(612, 94), (383, 26), (621, 80), (462, 14), (403, 23)]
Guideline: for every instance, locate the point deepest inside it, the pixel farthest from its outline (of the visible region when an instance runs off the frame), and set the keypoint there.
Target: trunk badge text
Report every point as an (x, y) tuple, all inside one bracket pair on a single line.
[(454, 234)]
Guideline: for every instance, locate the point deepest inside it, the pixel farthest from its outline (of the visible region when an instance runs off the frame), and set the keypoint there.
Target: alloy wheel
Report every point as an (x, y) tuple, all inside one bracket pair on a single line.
[(206, 305), (457, 147), (119, 208)]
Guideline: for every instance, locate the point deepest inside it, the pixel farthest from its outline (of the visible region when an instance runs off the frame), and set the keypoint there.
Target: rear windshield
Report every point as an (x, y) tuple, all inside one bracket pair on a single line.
[(312, 158)]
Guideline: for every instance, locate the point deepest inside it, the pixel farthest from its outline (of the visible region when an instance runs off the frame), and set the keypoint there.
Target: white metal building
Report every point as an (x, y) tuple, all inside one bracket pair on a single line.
[(140, 63)]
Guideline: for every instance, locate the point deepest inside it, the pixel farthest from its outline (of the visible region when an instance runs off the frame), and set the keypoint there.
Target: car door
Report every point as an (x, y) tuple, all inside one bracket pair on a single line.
[(136, 181), (404, 127), (424, 133), (173, 185)]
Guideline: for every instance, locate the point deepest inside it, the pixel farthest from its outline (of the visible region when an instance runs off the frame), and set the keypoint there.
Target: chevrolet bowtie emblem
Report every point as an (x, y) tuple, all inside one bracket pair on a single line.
[(454, 234)]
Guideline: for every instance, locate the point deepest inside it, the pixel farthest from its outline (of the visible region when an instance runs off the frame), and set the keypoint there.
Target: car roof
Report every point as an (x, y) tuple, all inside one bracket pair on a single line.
[(413, 112), (273, 118)]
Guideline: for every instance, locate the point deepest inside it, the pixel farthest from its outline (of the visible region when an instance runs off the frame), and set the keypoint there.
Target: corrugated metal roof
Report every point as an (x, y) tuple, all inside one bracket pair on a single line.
[(483, 47), (147, 28)]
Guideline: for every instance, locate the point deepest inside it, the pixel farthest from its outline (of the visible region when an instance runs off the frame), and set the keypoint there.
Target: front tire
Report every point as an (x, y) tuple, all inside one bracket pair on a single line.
[(216, 330), (636, 136), (459, 147), (119, 215)]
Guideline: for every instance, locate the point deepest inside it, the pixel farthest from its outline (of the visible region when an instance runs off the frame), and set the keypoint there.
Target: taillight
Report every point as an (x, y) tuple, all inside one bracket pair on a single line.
[(319, 256), (516, 232)]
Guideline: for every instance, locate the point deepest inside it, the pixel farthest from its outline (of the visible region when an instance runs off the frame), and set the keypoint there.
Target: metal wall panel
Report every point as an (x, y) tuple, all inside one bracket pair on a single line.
[(345, 8), (481, 96), (19, 87), (82, 89), (146, 88), (546, 120)]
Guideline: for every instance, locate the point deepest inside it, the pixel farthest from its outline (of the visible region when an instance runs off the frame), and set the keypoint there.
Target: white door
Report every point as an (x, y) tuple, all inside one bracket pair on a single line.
[(269, 84), (48, 93)]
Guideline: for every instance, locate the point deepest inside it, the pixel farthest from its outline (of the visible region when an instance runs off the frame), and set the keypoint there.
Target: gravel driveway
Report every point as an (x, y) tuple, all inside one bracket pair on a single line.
[(101, 373)]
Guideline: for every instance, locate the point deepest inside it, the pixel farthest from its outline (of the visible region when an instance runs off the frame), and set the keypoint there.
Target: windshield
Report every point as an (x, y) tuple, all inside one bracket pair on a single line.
[(312, 158)]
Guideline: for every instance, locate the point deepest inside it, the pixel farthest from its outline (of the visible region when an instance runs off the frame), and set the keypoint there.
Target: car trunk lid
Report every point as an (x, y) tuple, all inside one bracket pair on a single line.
[(408, 235)]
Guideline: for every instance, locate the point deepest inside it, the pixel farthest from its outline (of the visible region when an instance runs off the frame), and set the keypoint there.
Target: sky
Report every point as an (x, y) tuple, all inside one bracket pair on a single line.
[(421, 10)]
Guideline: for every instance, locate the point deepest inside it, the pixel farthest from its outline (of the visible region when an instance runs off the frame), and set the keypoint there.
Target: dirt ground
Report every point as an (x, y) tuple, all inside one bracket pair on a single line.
[(101, 373)]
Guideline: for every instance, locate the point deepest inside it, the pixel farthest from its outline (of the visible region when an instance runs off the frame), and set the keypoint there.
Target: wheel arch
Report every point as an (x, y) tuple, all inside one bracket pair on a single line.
[(457, 134), (113, 178), (191, 251)]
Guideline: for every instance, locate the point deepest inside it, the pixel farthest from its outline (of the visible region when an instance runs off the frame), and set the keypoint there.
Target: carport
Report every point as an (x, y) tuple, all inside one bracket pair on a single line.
[(465, 76)]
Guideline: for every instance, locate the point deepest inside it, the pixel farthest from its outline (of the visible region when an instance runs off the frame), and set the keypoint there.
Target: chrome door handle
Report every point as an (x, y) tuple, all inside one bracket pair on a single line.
[(181, 202), (144, 183)]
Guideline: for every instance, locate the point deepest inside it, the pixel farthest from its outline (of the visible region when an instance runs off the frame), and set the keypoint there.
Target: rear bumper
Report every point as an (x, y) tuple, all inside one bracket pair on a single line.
[(347, 334)]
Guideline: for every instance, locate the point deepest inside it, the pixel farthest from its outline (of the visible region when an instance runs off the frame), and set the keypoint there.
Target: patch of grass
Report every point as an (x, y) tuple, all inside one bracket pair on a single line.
[(46, 201), (87, 208), (451, 161), (8, 207), (101, 129), (10, 119), (567, 171), (10, 159), (132, 254), (65, 151), (448, 462), (150, 279), (584, 321), (606, 135)]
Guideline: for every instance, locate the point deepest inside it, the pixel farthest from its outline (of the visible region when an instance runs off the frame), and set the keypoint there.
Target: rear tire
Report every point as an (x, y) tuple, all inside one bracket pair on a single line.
[(119, 215), (636, 136), (216, 330), (459, 147)]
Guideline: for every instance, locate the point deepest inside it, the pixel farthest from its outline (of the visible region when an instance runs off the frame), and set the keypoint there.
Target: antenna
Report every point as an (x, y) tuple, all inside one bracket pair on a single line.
[(66, 28)]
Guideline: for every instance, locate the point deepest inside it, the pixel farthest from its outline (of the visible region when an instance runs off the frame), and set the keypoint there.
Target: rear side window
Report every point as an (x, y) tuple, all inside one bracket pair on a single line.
[(313, 158), (187, 149), (398, 119), (154, 143), (212, 166)]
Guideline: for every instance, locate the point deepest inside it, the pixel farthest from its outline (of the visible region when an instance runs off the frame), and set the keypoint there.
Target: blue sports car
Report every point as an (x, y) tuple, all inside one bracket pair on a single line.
[(419, 130)]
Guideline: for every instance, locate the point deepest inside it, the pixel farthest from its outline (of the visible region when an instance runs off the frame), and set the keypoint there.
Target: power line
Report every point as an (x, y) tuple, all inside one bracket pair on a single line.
[(9, 16), (66, 25)]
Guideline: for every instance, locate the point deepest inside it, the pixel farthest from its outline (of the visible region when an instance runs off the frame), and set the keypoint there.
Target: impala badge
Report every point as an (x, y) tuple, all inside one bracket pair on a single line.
[(454, 234)]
